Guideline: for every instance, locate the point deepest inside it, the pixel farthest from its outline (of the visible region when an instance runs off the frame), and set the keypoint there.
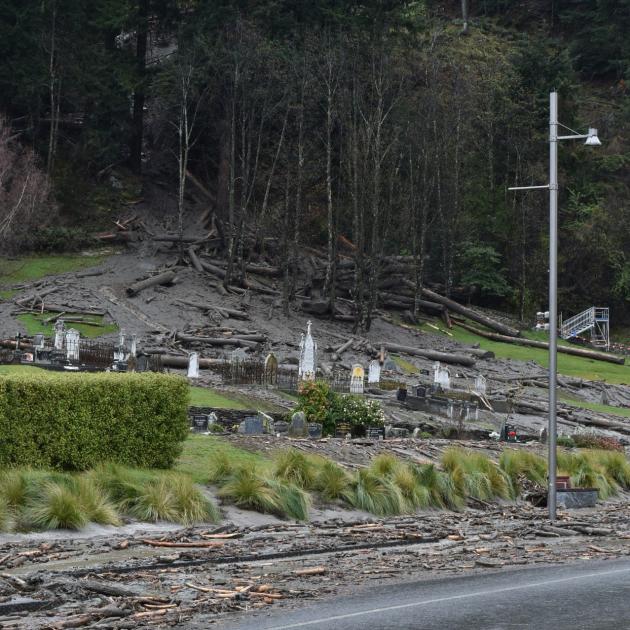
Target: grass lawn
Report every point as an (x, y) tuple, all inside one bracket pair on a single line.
[(34, 323), (200, 450), (33, 268), (568, 365), (205, 397), (623, 412), (406, 366)]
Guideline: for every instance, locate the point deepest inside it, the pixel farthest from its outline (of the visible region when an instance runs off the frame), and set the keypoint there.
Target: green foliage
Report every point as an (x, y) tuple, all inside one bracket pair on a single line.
[(73, 422), (29, 269), (56, 507), (517, 463), (590, 440), (332, 481), (295, 467), (247, 489), (482, 269), (321, 404), (482, 478), (91, 327), (376, 494), (566, 441)]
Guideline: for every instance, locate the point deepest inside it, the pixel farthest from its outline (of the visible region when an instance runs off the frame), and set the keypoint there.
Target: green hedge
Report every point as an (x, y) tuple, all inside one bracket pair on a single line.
[(74, 421)]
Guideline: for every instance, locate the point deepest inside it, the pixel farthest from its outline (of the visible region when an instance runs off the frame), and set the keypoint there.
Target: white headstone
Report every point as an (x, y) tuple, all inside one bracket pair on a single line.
[(72, 344), (59, 334), (193, 365), (356, 379), (480, 384), (441, 376), (239, 354), (374, 372), (133, 346), (308, 356)]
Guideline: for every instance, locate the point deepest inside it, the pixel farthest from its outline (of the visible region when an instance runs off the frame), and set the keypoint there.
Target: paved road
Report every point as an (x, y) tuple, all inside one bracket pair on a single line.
[(589, 595)]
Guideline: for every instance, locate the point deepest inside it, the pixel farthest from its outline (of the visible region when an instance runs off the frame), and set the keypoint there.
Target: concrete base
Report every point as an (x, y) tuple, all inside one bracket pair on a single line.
[(577, 497)]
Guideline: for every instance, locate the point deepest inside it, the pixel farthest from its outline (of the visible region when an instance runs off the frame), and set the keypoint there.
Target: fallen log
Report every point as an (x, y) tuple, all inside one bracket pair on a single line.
[(196, 263), (226, 312), (165, 277), (174, 361), (480, 354), (474, 315), (214, 341), (519, 341), (434, 355), (185, 545)]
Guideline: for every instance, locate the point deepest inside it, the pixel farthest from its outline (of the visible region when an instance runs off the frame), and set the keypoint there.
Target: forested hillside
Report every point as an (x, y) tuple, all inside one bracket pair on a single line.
[(375, 131)]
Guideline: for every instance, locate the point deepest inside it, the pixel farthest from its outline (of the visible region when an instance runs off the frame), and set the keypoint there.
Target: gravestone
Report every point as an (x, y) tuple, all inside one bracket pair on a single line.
[(212, 419), (252, 425), (480, 385), (356, 379), (142, 363), (60, 330), (271, 369), (374, 372), (342, 430), (390, 366), (396, 432), (133, 346), (314, 430), (441, 376), (375, 433), (298, 427), (200, 423), (120, 355), (267, 422), (38, 342), (72, 344), (193, 365), (308, 356), (280, 426)]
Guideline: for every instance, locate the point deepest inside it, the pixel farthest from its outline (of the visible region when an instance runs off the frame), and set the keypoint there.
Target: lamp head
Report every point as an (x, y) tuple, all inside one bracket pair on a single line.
[(592, 140)]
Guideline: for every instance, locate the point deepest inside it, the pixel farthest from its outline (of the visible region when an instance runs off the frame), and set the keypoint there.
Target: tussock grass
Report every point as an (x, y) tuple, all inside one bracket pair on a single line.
[(295, 467), (97, 504), (246, 488), (614, 463), (385, 464), (482, 478), (221, 468), (294, 501), (520, 462), (378, 495), (56, 507), (332, 481)]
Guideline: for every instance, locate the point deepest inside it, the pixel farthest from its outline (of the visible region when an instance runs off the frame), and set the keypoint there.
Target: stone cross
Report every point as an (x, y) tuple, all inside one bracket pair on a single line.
[(356, 379), (72, 344), (59, 334), (193, 365), (441, 376), (120, 354), (374, 372), (308, 356)]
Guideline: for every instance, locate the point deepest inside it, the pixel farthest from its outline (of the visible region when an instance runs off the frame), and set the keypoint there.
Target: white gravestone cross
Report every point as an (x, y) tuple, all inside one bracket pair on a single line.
[(308, 356), (59, 334), (72, 344), (193, 365), (356, 379), (374, 372)]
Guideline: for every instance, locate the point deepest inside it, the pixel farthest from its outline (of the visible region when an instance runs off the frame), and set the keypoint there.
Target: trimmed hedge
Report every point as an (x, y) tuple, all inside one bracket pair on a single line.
[(75, 421)]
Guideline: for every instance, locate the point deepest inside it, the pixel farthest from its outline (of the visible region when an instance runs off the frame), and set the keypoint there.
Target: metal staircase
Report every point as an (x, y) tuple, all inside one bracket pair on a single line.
[(595, 320)]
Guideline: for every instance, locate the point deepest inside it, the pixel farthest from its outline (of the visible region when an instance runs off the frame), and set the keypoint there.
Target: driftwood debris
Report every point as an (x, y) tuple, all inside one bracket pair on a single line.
[(471, 314), (434, 355), (218, 341), (578, 352), (174, 361), (165, 277)]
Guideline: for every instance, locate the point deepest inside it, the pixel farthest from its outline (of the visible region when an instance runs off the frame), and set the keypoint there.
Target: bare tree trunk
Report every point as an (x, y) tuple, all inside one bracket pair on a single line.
[(52, 91), (142, 34), (465, 17)]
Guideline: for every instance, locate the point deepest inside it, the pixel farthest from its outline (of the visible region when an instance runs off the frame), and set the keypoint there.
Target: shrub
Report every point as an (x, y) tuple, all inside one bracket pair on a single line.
[(75, 421), (321, 404), (566, 441), (589, 440)]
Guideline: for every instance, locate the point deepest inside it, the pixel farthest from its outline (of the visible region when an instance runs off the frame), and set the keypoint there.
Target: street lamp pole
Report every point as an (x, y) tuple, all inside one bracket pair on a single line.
[(591, 140), (553, 301)]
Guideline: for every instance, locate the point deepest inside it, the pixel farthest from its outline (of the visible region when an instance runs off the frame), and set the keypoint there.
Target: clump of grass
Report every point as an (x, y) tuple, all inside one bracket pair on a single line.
[(96, 502), (516, 463), (482, 478), (246, 488), (385, 464), (56, 507), (154, 502), (614, 463), (221, 468), (415, 495), (587, 473), (332, 481), (190, 504), (378, 495), (295, 467), (294, 501)]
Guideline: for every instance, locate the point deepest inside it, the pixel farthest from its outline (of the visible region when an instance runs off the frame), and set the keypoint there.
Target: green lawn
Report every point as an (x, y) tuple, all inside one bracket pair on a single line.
[(34, 323), (574, 401), (32, 268), (200, 450), (568, 365), (406, 366), (205, 397)]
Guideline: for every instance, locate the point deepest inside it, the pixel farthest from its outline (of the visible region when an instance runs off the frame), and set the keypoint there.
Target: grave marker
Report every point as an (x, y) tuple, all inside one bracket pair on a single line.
[(60, 330), (356, 379), (193, 365), (72, 344), (308, 356), (480, 385), (374, 372), (298, 427), (441, 376)]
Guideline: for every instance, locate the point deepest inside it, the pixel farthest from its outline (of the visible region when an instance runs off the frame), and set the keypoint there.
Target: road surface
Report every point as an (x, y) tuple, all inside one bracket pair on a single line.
[(589, 595)]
